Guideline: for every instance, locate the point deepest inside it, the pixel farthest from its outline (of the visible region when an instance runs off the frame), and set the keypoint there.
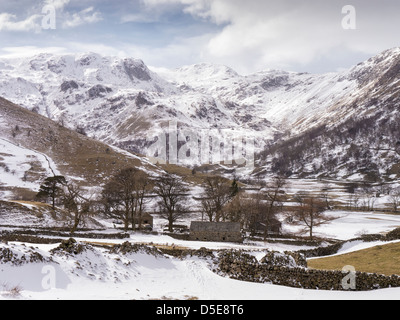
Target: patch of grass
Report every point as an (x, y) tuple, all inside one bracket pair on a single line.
[(198, 178), (23, 194), (184, 172), (383, 259), (168, 247), (135, 123), (100, 244), (33, 203)]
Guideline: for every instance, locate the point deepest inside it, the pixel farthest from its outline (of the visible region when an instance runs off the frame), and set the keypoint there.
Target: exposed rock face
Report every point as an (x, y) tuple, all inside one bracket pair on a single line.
[(69, 85), (136, 70), (98, 91)]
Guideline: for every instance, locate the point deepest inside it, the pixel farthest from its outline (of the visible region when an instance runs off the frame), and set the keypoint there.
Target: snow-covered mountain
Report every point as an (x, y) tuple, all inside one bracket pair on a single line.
[(358, 138), (117, 99), (122, 102)]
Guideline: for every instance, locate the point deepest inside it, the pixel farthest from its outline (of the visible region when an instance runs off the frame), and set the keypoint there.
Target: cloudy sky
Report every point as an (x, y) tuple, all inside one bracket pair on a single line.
[(249, 36)]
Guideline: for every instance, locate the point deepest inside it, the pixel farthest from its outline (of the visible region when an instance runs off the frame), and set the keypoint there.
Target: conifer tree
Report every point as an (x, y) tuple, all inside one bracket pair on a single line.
[(51, 189)]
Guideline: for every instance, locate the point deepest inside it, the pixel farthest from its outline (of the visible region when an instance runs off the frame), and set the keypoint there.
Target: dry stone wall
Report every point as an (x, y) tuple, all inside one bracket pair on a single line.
[(241, 266)]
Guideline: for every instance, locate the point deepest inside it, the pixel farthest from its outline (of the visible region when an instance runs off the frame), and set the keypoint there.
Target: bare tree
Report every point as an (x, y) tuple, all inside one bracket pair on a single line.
[(235, 210), (275, 196), (395, 199), (353, 201), (368, 194), (119, 196), (207, 209), (143, 186), (75, 202), (217, 193), (325, 194), (172, 192), (255, 211), (123, 197), (113, 205), (311, 212)]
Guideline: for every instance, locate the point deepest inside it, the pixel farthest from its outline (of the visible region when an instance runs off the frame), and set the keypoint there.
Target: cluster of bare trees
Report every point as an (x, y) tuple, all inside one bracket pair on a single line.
[(217, 194), (57, 190), (259, 211), (125, 197), (260, 208), (311, 211), (172, 193), (363, 197)]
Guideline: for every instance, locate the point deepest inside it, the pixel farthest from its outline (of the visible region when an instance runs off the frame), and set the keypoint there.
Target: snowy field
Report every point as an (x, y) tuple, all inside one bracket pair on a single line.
[(98, 274), (349, 225)]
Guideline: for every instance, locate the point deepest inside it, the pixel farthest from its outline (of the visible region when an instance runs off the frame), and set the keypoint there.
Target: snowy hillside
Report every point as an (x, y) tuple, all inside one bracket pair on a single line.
[(123, 103), (276, 97), (23, 168), (33, 147)]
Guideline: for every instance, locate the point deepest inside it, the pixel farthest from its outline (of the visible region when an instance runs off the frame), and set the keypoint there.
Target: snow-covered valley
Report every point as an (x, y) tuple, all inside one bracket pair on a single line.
[(84, 114)]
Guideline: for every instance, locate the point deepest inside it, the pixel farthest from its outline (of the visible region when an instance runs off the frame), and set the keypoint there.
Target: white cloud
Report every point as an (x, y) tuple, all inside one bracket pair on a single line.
[(263, 34), (260, 34), (183, 51), (65, 18), (200, 8), (86, 16), (28, 51), (246, 35), (57, 4), (136, 17), (9, 22)]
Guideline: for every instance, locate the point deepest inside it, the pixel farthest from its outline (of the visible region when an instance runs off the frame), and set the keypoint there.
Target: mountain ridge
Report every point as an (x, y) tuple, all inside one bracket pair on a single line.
[(120, 101)]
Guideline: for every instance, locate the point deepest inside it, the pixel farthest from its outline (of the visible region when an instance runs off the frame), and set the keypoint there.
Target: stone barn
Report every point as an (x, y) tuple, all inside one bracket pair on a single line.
[(274, 227), (216, 231), (147, 221)]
